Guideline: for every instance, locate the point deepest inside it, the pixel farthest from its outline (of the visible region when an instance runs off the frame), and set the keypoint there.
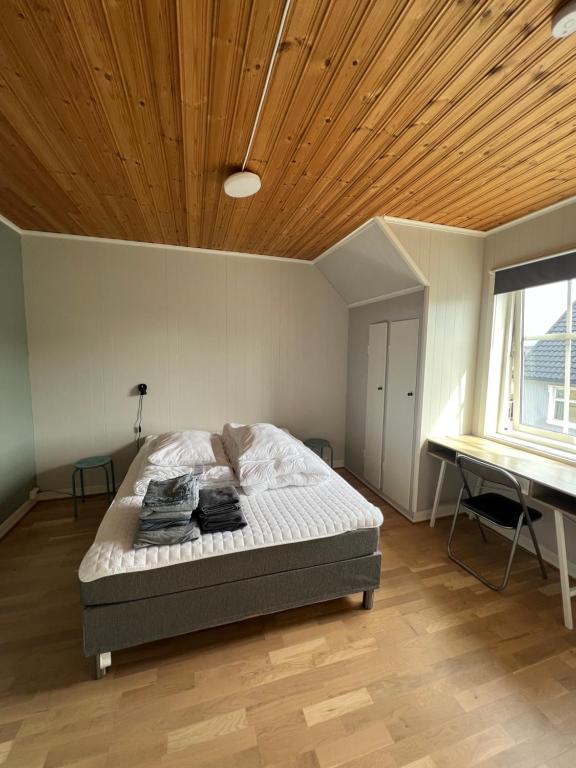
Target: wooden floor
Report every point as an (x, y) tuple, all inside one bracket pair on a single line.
[(443, 673)]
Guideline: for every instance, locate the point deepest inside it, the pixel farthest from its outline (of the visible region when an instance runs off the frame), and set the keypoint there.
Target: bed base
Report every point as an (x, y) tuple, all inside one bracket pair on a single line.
[(127, 624)]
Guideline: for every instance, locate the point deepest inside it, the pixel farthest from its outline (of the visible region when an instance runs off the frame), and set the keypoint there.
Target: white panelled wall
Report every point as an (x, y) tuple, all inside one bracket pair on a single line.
[(216, 337), (451, 263)]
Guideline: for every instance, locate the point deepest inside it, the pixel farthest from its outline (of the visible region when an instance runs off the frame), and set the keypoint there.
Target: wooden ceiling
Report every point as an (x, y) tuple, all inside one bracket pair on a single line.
[(121, 118)]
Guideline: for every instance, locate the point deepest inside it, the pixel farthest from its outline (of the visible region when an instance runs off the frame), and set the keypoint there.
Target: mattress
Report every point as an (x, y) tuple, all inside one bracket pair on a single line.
[(277, 518)]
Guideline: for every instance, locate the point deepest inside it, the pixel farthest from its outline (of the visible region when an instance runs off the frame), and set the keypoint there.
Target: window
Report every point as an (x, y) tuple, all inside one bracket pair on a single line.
[(556, 405), (538, 388)]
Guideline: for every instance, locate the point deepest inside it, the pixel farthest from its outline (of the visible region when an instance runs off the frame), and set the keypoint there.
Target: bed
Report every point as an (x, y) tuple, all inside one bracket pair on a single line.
[(301, 545)]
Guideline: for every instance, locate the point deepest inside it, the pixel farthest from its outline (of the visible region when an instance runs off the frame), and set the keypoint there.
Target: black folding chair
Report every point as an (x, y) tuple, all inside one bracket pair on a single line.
[(501, 511)]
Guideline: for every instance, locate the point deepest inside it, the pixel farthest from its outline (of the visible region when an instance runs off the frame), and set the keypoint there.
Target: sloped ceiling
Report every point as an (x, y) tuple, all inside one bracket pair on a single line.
[(369, 264), (122, 118)]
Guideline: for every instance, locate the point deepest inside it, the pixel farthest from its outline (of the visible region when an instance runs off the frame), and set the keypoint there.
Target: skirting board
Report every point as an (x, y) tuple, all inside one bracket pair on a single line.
[(16, 516), (63, 493), (525, 542), (393, 504)]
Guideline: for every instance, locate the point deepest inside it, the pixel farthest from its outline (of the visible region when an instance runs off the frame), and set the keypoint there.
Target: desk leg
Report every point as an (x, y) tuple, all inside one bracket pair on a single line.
[(438, 494), (563, 566)]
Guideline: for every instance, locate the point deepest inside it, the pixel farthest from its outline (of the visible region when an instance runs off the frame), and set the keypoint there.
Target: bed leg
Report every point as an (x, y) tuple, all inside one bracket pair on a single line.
[(368, 600), (99, 664)]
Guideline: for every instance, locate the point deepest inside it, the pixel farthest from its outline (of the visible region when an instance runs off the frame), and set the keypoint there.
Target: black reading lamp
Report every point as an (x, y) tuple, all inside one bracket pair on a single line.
[(143, 390)]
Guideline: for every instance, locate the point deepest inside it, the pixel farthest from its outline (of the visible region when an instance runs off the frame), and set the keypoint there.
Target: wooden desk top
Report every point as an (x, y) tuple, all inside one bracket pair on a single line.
[(552, 473)]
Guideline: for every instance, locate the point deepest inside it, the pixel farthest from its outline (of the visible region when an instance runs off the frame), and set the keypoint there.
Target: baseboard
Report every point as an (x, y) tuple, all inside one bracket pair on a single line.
[(16, 516), (63, 493), (403, 512), (444, 510), (525, 541)]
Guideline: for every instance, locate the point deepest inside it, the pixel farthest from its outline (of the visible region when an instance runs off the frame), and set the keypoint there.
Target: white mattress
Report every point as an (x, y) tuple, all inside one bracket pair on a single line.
[(276, 517)]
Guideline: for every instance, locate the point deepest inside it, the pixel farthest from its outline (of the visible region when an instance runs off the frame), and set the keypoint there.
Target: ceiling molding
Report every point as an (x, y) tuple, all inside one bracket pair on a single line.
[(162, 246), (533, 215), (384, 297), (11, 225), (431, 225)]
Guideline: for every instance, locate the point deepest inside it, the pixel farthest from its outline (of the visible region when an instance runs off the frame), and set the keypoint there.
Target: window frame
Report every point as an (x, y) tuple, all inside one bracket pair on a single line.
[(515, 428)]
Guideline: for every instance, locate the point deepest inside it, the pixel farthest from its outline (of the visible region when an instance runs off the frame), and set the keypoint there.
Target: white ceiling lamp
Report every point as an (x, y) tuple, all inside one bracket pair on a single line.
[(564, 20), (245, 183), (242, 184)]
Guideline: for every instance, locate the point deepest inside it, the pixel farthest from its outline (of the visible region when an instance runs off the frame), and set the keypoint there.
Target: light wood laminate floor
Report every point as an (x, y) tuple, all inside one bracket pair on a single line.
[(443, 673)]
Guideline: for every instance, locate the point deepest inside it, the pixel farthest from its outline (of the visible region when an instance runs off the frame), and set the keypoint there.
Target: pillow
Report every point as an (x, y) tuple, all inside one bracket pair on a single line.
[(259, 442), (180, 449), (265, 457)]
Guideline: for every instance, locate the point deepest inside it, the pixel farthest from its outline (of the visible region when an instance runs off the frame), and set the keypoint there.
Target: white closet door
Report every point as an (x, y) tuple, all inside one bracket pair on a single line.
[(375, 395), (400, 411)]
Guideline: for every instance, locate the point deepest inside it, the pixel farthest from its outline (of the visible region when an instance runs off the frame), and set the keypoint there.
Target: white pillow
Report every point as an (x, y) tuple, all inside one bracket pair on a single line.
[(265, 457), (194, 446), (259, 442)]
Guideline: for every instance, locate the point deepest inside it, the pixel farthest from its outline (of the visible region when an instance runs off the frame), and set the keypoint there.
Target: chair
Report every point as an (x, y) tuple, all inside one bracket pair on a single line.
[(499, 510), (93, 462)]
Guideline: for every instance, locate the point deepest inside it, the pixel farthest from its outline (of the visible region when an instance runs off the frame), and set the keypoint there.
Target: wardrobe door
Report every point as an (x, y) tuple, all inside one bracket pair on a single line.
[(375, 398), (400, 412)]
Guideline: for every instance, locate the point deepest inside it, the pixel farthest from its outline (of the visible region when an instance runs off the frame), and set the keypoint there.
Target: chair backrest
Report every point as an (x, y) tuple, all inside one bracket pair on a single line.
[(489, 473)]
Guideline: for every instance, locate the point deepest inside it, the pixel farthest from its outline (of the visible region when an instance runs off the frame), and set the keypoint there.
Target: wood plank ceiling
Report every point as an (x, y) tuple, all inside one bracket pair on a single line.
[(121, 118)]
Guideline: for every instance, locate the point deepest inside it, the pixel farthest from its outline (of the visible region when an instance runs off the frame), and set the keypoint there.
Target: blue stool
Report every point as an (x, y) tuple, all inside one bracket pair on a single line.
[(93, 462), (317, 444)]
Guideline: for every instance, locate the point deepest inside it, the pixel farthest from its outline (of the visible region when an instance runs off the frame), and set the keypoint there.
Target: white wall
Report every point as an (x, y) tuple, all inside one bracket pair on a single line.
[(452, 263), (216, 337), (546, 233)]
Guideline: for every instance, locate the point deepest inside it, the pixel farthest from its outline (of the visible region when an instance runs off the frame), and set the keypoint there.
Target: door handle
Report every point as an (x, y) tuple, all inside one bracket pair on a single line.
[(410, 394), (379, 389)]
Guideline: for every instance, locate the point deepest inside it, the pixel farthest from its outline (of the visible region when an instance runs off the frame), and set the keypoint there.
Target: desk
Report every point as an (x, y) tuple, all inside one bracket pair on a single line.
[(550, 482)]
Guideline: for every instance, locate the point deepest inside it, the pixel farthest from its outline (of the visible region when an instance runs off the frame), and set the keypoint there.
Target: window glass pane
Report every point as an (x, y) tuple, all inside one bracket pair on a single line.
[(542, 384), (545, 309), (559, 410)]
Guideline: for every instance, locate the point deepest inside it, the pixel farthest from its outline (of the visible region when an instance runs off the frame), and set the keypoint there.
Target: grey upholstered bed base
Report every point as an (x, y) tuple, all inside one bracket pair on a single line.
[(124, 623)]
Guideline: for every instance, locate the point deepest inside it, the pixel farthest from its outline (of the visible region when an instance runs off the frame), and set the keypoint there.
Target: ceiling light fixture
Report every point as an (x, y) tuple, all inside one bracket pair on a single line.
[(564, 20), (244, 183)]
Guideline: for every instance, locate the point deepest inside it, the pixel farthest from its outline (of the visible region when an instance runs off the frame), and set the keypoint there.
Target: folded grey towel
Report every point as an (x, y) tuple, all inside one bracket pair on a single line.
[(177, 534), (218, 498)]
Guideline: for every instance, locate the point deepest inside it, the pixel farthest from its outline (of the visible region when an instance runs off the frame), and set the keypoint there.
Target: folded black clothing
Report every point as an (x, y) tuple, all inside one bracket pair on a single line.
[(210, 526), (216, 498), (231, 509), (220, 517), (176, 491)]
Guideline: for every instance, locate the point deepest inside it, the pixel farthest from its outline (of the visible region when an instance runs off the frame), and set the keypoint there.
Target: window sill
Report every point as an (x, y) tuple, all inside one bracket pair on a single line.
[(516, 440)]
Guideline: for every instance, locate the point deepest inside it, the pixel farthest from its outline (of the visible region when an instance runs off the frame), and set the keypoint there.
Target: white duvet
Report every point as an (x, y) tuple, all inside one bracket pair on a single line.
[(265, 458), (273, 517)]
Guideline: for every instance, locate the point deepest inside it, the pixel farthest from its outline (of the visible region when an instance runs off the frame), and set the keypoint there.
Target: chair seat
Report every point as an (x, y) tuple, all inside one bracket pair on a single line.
[(90, 462), (499, 509), (317, 442)]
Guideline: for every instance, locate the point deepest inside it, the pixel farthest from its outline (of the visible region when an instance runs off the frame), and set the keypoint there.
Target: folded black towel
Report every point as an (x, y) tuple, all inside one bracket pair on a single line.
[(217, 498)]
